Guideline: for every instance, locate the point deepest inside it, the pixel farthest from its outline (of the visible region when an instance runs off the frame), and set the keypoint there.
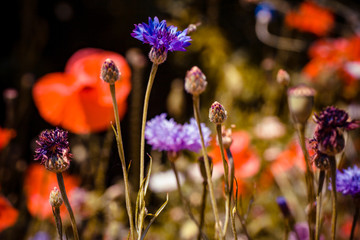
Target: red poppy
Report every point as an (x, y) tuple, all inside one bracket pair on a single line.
[(5, 136), (246, 161), (312, 18), (290, 157), (38, 184), (8, 214), (77, 99), (334, 55)]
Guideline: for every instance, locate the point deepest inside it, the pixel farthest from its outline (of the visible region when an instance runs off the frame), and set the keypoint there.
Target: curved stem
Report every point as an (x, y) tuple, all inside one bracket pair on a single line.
[(309, 176), (356, 215), (333, 196), (123, 163), (67, 204), (318, 204), (207, 169)]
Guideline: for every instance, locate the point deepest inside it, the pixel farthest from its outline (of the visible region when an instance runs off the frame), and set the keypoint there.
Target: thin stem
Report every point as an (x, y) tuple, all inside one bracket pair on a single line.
[(203, 207), (318, 204), (207, 169), (56, 213), (142, 146), (184, 200), (309, 176), (333, 196), (243, 224), (356, 216), (67, 204), (226, 179), (122, 160), (233, 226)]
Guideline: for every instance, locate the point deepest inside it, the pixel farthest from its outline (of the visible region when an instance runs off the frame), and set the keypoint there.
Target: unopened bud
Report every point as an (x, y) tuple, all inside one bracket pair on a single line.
[(217, 113), (195, 81), (227, 136), (109, 71), (283, 77), (301, 101), (157, 56), (55, 198)]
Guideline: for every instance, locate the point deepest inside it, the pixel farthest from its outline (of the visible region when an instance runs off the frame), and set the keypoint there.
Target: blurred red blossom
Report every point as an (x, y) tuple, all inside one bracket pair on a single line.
[(5, 136), (246, 161), (341, 56), (312, 18), (38, 184), (8, 214), (77, 99)]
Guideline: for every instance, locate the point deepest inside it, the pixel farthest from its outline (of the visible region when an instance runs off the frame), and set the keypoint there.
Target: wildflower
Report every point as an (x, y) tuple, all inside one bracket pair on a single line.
[(162, 38), (283, 77), (109, 71), (264, 11), (77, 99), (311, 18), (195, 81), (5, 136), (55, 198), (284, 208), (167, 135), (38, 184), (8, 214), (301, 101), (41, 236), (328, 133), (348, 181), (53, 150), (246, 161), (217, 113)]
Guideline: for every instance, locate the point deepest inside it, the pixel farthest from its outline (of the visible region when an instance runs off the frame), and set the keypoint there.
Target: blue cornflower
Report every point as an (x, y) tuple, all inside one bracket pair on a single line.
[(167, 135), (162, 38), (191, 135), (53, 150), (348, 181)]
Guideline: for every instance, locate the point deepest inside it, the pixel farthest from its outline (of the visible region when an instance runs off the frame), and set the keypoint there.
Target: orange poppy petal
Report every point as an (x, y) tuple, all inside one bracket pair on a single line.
[(8, 214), (5, 136)]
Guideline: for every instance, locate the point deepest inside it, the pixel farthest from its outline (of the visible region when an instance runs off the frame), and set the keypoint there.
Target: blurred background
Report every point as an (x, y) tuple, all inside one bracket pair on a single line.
[(239, 45)]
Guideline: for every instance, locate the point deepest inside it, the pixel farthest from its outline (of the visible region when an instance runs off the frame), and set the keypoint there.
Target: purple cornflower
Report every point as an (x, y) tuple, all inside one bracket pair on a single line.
[(167, 135), (53, 150), (162, 38), (348, 181), (328, 133), (191, 135)]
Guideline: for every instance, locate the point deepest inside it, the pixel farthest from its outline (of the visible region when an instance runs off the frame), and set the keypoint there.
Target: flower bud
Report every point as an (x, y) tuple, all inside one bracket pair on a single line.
[(217, 113), (283, 77), (157, 56), (301, 101), (322, 161), (284, 208), (334, 146), (55, 198), (227, 136), (195, 81), (109, 71), (58, 164)]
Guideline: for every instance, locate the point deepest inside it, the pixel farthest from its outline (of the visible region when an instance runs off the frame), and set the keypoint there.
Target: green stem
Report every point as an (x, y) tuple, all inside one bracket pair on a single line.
[(318, 204), (196, 105), (309, 176), (122, 160), (203, 207), (356, 216), (56, 213), (233, 226), (333, 196), (67, 204)]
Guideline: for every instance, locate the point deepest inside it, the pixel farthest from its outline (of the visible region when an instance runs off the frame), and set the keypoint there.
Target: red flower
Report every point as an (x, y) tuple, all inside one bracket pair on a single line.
[(246, 162), (311, 18), (5, 136), (334, 55), (8, 214), (77, 99), (38, 184)]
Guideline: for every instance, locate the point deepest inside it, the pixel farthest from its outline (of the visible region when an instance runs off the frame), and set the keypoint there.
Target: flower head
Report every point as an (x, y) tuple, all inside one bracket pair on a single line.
[(328, 133), (55, 198), (217, 113), (161, 36), (109, 71), (348, 181), (77, 99), (167, 135), (195, 81), (53, 150)]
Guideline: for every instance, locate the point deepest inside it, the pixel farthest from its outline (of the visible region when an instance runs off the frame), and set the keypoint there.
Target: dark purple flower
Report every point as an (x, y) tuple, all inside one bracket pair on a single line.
[(348, 181), (328, 133), (53, 150), (160, 36), (281, 201), (167, 135)]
